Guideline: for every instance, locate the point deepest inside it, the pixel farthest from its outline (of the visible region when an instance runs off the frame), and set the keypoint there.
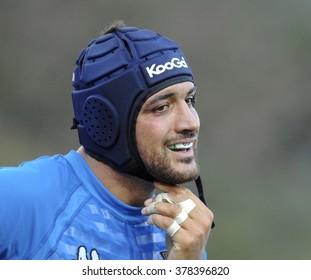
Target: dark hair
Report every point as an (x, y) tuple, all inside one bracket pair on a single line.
[(117, 24)]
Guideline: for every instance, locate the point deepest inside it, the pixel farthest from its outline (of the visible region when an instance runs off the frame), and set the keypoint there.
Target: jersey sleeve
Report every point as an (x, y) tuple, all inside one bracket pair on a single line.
[(31, 197), (14, 210)]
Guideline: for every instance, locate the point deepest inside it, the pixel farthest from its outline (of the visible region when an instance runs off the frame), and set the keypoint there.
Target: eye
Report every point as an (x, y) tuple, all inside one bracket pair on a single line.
[(191, 100), (160, 109)]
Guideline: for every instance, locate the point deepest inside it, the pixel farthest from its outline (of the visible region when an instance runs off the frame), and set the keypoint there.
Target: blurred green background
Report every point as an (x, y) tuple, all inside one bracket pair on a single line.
[(252, 63)]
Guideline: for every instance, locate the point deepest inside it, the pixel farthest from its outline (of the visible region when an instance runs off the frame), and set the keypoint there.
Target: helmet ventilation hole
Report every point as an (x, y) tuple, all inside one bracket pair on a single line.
[(100, 121)]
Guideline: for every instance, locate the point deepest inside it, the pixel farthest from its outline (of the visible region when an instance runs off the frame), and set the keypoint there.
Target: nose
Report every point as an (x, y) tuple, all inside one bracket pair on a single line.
[(187, 119)]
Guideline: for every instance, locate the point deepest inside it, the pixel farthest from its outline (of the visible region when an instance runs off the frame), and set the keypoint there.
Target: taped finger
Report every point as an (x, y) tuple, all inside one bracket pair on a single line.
[(164, 196), (181, 217), (187, 205), (150, 221), (173, 228), (151, 209)]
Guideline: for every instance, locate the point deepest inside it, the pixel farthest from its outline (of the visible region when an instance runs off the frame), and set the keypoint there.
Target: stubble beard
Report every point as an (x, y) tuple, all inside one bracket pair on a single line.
[(161, 167)]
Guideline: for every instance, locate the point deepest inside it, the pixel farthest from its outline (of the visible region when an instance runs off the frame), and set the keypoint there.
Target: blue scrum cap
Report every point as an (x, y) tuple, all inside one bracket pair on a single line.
[(114, 76)]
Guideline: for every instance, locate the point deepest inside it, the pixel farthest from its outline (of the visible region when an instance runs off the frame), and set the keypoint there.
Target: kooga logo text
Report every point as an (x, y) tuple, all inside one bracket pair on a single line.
[(159, 69)]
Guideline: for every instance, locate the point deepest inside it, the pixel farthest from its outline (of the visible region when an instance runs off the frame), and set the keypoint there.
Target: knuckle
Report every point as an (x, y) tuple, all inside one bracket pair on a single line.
[(207, 218), (175, 208), (190, 241), (207, 223), (167, 223)]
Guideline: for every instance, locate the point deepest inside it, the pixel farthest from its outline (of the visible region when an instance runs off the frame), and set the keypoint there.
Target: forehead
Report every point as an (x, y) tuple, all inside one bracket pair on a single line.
[(180, 89)]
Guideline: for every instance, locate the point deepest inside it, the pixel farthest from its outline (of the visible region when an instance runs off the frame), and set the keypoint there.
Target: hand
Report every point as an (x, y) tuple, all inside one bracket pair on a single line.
[(189, 239)]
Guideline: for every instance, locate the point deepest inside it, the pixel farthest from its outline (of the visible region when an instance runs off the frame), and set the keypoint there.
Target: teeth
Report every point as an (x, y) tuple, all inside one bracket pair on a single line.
[(184, 145), (181, 146)]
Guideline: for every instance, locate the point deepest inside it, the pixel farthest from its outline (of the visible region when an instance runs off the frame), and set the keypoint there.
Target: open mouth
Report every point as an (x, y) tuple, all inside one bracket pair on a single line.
[(181, 147)]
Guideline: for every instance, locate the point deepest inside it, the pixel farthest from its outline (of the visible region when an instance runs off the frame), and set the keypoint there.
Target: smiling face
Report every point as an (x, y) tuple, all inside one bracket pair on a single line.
[(167, 130)]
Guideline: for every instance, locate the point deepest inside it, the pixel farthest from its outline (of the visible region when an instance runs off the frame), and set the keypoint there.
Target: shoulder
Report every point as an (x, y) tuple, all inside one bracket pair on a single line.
[(39, 176), (31, 197)]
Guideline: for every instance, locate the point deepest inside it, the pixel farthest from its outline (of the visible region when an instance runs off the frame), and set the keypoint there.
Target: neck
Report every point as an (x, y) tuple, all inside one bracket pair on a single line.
[(129, 189)]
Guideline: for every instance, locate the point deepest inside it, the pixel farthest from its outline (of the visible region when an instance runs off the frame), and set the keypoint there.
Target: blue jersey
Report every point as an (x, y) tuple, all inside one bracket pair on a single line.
[(56, 208)]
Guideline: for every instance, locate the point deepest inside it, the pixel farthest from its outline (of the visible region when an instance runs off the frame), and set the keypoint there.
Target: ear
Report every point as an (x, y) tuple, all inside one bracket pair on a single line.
[(101, 120)]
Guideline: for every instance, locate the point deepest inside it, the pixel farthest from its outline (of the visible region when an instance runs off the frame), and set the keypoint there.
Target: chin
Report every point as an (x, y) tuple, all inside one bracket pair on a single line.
[(175, 176), (171, 170)]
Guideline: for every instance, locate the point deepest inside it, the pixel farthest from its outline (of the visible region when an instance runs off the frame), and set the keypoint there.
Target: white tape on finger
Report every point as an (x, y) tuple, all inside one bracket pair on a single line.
[(164, 196), (152, 208), (173, 228), (181, 217), (150, 221), (187, 205)]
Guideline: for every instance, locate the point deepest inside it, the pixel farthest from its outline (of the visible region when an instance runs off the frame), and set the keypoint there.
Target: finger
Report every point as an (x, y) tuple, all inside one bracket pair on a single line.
[(164, 197), (168, 188), (202, 216), (180, 193), (167, 224), (152, 208), (181, 217), (173, 211), (162, 208), (178, 211), (148, 201), (185, 213), (187, 205), (173, 228)]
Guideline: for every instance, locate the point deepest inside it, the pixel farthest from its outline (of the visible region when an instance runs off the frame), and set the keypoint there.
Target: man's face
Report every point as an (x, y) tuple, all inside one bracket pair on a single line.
[(167, 133)]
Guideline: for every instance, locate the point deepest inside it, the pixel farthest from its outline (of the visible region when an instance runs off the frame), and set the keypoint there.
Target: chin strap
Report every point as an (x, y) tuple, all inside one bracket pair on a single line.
[(199, 185)]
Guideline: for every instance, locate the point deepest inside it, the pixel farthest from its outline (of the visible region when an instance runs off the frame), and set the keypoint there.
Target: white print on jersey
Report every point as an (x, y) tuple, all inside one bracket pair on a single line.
[(82, 254)]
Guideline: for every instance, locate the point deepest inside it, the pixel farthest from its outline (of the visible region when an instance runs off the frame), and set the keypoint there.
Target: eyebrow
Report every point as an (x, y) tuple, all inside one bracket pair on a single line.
[(168, 95)]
